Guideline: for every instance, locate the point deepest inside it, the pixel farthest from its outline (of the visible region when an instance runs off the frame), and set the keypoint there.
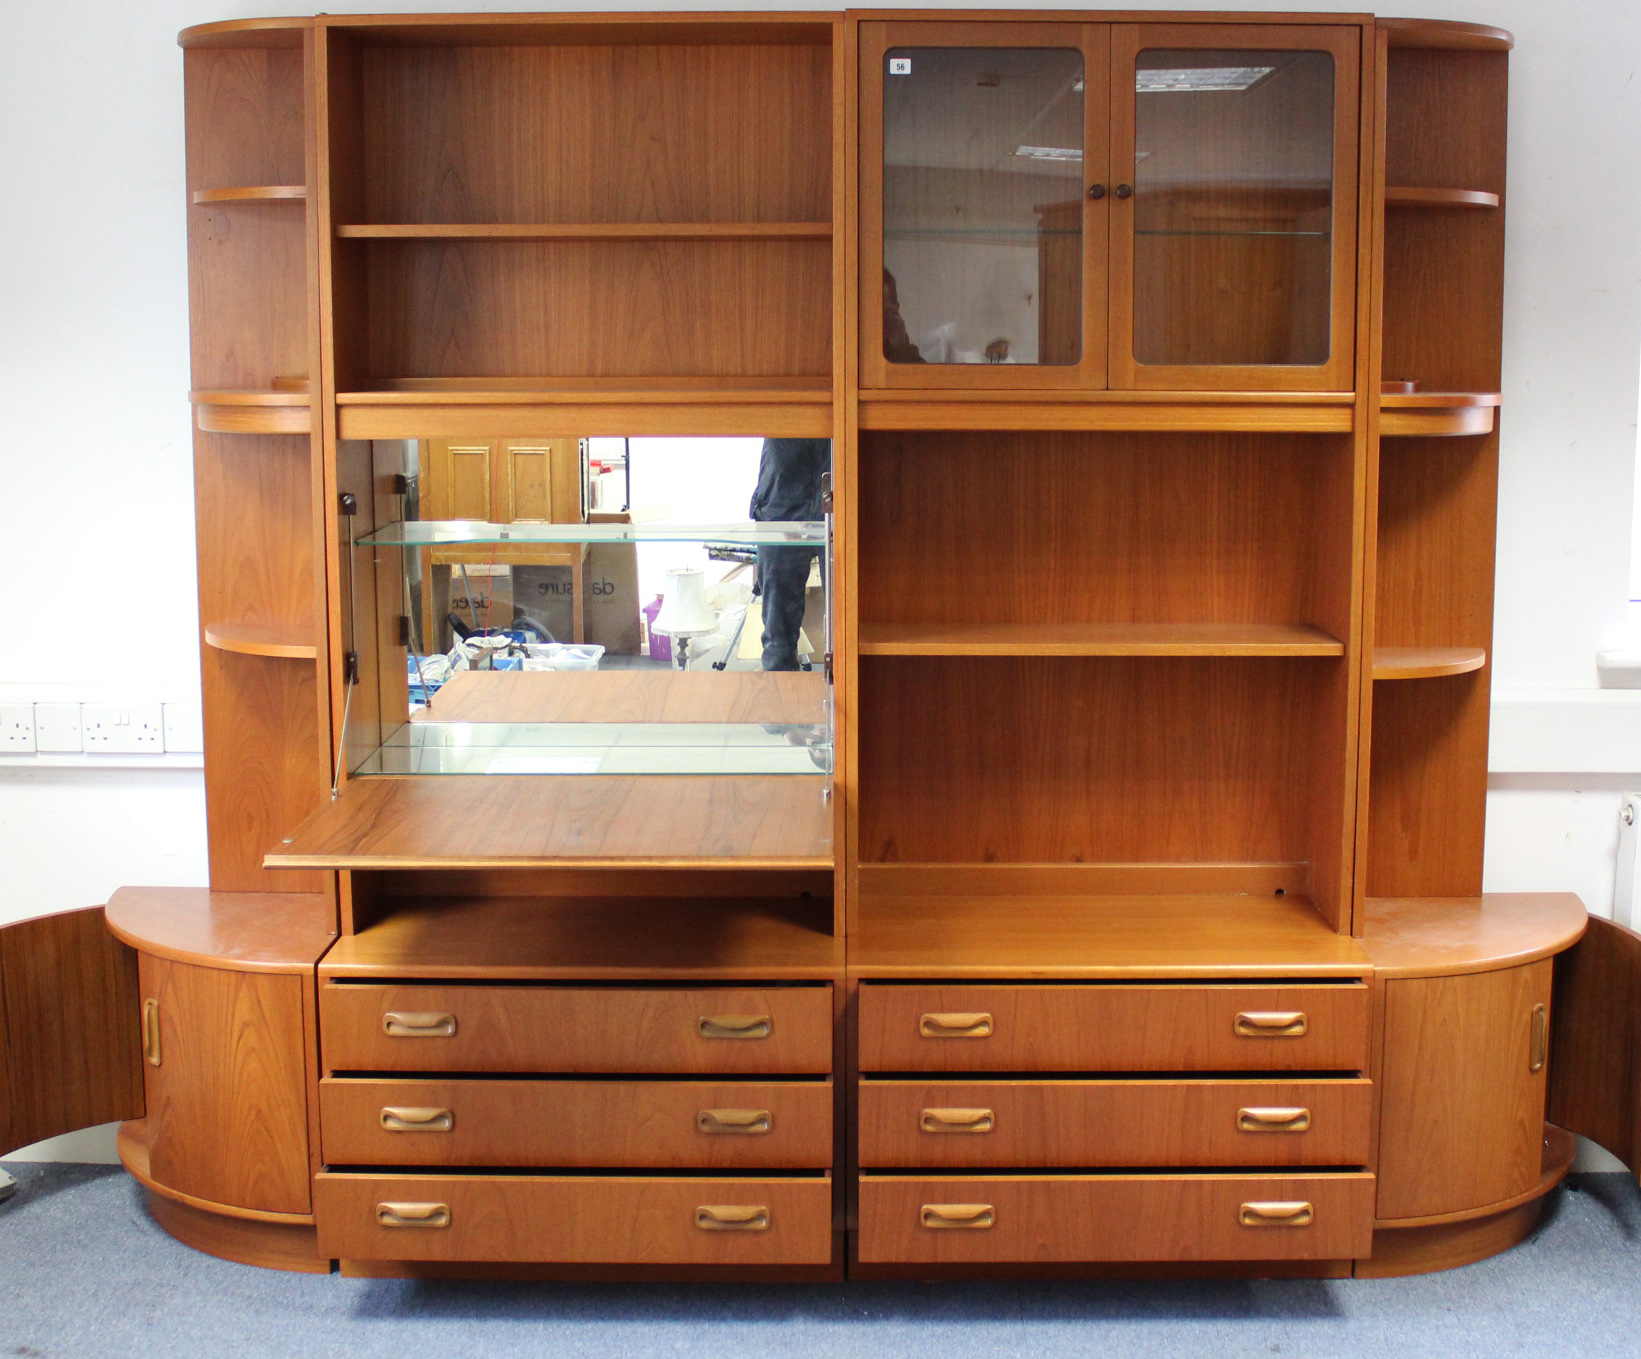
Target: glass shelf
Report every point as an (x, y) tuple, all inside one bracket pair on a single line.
[(439, 533), (1320, 235)]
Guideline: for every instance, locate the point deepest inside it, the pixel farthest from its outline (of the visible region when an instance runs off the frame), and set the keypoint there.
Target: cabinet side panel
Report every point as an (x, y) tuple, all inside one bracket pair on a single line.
[(1461, 1110), (68, 1028)]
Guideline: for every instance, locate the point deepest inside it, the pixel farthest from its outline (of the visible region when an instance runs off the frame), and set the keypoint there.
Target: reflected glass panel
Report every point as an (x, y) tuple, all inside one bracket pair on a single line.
[(591, 606), (1233, 207), (983, 205)]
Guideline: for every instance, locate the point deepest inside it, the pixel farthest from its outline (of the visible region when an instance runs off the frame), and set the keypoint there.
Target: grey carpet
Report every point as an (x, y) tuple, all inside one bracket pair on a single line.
[(84, 1274)]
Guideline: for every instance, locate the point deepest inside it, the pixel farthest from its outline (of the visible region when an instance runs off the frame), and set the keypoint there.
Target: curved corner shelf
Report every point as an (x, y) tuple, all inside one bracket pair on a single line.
[(586, 231), (274, 411), (254, 193), (288, 641), (1406, 196), (1437, 413), (1446, 34), (1426, 662), (246, 33)]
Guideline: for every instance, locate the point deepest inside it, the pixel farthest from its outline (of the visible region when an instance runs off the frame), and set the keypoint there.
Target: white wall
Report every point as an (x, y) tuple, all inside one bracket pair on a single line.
[(96, 560)]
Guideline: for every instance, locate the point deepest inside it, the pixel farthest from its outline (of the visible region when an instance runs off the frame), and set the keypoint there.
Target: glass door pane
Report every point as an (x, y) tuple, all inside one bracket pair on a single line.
[(1233, 212), (983, 151)]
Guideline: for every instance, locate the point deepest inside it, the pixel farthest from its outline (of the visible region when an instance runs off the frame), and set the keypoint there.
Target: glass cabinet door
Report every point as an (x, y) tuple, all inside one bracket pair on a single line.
[(983, 204), (1233, 227)]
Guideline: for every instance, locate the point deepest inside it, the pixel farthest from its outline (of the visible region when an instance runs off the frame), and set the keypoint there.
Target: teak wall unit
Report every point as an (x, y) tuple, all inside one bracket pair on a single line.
[(1142, 929)]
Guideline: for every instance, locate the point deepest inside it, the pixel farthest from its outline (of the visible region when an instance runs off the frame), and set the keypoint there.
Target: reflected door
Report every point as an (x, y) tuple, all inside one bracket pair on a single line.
[(1233, 226), (984, 203)]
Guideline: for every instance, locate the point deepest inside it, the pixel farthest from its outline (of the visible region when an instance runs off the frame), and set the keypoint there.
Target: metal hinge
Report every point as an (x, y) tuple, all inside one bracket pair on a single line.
[(826, 665), (350, 667), (348, 504)]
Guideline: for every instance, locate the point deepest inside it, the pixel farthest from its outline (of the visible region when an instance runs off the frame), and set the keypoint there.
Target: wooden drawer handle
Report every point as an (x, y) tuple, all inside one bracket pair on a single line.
[(965, 1025), (957, 1121), (1539, 1049), (737, 1122), (151, 1032), (732, 1217), (418, 1120), (736, 1026), (958, 1217), (1293, 1214), (1272, 1024), (412, 1214), (1273, 1120), (419, 1024)]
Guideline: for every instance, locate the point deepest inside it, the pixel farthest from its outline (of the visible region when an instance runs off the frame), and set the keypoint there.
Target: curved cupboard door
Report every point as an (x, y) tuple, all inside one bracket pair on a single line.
[(227, 1087), (1462, 1090), (1234, 201), (68, 1028)]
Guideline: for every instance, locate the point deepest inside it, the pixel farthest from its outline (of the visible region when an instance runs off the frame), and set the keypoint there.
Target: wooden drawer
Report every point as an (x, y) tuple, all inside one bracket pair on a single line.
[(1166, 1027), (656, 1125), (575, 1219), (1036, 1219), (1115, 1123), (775, 1030)]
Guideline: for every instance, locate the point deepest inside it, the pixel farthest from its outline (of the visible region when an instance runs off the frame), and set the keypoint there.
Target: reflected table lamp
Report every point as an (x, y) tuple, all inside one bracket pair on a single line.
[(685, 612)]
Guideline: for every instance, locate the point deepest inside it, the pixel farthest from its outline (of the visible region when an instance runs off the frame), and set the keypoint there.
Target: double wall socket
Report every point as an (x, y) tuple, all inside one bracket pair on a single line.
[(111, 729)]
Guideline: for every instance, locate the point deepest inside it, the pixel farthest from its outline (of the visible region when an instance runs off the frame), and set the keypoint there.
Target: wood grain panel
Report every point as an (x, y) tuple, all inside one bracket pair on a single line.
[(1097, 639), (513, 308), (649, 1125), (1439, 936), (631, 696), (523, 821), (1102, 528), (1115, 1123), (1072, 759), (227, 1103), (578, 1029), (1461, 1110), (586, 1219), (1595, 1056), (1112, 1028), (244, 118), (1049, 1218), (68, 1028), (721, 133), (268, 1245), (237, 931)]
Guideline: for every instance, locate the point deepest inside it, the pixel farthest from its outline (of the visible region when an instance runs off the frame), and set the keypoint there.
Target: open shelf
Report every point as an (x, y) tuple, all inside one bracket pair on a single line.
[(516, 938), (286, 932), (1402, 196), (539, 821), (1097, 639), (910, 409), (1449, 35), (291, 641), (272, 411), (440, 533), (254, 193), (1426, 662), (587, 231), (1436, 413)]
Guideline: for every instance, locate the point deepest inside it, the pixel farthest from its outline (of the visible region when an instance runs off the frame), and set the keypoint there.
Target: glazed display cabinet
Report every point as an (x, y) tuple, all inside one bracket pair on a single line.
[(1029, 822)]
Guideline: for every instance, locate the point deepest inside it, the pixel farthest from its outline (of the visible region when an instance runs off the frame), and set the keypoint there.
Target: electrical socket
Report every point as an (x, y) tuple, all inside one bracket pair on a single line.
[(57, 729), (16, 728), (112, 730)]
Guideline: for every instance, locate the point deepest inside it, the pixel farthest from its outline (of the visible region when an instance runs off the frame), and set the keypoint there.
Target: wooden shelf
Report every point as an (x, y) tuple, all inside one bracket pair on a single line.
[(542, 821), (785, 697), (246, 33), (279, 410), (290, 641), (1442, 936), (1051, 411), (587, 231), (608, 938), (1097, 639), (1033, 935), (1426, 662), (1397, 196), (256, 193), (412, 408), (238, 931), (1437, 413), (1446, 35)]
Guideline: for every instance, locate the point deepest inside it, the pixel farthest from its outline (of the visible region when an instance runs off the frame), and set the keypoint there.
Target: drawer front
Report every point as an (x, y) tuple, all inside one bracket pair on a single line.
[(1177, 1027), (1115, 1123), (1119, 1218), (741, 1031), (574, 1220), (654, 1125)]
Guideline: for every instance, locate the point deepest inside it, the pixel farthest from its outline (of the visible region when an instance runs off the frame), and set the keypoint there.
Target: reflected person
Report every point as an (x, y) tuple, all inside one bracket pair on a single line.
[(789, 488)]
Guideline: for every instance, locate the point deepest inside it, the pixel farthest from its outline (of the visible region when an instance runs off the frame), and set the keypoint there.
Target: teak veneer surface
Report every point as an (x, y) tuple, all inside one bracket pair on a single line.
[(1407, 196), (1430, 662), (610, 938), (1096, 639), (642, 1125), (1045, 935), (630, 696), (1441, 936), (287, 641), (239, 931), (475, 821), (587, 231)]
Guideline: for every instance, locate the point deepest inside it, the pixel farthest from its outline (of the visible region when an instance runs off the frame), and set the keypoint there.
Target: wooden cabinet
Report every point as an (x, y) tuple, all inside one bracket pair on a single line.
[(1138, 921)]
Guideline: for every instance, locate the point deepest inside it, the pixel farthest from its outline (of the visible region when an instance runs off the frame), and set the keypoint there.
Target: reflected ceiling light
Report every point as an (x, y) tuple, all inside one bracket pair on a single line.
[(1200, 80), (1050, 152)]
